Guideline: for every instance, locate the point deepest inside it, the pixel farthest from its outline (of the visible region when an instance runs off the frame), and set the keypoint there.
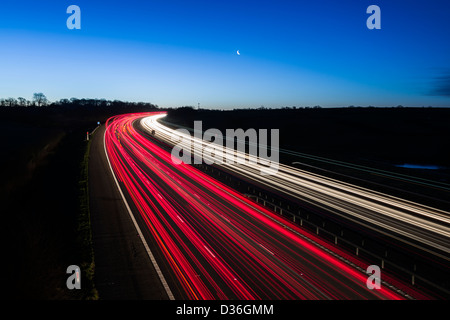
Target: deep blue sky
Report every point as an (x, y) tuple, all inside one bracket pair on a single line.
[(175, 53)]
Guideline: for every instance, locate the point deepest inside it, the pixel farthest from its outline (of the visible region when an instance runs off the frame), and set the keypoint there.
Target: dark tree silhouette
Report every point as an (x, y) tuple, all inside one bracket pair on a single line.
[(22, 102), (10, 102), (40, 99)]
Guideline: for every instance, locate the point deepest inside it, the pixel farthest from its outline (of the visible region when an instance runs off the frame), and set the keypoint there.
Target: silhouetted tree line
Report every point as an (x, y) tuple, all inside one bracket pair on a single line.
[(40, 100)]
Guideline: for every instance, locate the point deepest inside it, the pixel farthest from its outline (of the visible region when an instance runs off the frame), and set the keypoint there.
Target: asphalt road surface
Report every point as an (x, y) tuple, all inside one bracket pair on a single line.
[(210, 241), (123, 269)]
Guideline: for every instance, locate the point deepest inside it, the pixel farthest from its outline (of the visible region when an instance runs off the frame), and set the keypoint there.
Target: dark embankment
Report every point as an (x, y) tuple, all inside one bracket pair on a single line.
[(395, 135), (378, 138), (45, 216)]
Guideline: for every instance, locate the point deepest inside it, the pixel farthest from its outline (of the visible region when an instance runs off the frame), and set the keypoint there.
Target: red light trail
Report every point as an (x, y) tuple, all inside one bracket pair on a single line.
[(217, 243)]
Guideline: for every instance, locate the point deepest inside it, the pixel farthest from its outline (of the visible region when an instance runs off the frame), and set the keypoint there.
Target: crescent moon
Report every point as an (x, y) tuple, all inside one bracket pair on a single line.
[(238, 53)]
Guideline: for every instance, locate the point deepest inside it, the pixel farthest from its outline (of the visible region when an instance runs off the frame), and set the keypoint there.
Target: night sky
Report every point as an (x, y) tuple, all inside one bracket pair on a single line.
[(175, 53)]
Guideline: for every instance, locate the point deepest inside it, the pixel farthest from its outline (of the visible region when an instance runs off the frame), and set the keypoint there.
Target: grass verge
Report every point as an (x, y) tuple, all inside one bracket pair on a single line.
[(84, 231)]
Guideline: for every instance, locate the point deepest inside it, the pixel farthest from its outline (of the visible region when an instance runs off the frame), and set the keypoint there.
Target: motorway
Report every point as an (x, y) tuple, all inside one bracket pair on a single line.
[(415, 224), (212, 242)]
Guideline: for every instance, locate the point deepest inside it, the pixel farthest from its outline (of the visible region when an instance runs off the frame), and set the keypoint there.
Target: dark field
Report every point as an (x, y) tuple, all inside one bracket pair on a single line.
[(378, 138), (389, 135)]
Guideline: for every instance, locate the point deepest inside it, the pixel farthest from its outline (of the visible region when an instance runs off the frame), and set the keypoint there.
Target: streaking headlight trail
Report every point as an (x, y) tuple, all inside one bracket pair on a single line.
[(418, 225), (216, 243)]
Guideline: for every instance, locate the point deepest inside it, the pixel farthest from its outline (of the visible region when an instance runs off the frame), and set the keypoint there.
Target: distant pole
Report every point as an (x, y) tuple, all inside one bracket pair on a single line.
[(87, 136), (198, 106)]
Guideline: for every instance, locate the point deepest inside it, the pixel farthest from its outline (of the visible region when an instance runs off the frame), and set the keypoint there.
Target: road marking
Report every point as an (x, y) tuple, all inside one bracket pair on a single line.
[(266, 249), (147, 248), (210, 251)]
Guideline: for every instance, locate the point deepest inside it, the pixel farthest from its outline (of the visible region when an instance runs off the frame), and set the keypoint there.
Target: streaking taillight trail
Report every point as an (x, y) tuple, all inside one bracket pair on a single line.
[(217, 243)]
